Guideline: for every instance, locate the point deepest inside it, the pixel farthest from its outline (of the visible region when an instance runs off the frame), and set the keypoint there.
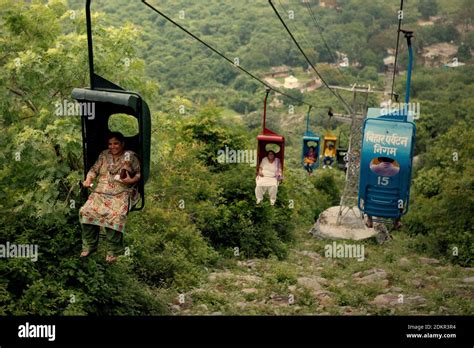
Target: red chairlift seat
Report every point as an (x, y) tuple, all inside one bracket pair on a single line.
[(269, 137)]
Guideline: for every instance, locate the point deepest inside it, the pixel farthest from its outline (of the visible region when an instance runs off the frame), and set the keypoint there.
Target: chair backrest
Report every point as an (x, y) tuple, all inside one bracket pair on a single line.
[(269, 137), (385, 167), (329, 139), (341, 157), (307, 142), (95, 129)]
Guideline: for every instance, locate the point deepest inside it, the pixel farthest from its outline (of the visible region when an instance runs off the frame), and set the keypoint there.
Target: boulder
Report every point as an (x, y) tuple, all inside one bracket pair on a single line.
[(428, 261), (375, 275), (241, 305), (417, 283), (279, 300), (202, 307), (385, 300), (219, 275), (432, 278), (396, 289), (309, 283), (322, 281), (352, 227), (414, 300), (404, 262), (390, 300), (324, 297), (311, 254), (249, 291)]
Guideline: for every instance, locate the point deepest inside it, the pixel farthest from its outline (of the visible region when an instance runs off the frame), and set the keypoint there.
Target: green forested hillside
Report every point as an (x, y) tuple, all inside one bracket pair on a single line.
[(200, 220)]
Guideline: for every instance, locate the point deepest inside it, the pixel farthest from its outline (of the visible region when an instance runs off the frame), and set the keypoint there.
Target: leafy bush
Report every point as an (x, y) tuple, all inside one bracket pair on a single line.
[(442, 206), (61, 283), (235, 220), (326, 183), (167, 250)]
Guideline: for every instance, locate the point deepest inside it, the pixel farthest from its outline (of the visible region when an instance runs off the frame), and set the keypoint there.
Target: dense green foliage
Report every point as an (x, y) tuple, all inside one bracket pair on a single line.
[(198, 211), (442, 204)]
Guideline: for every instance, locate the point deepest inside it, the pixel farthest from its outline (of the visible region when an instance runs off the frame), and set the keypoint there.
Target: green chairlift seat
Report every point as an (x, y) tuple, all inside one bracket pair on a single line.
[(95, 129), (109, 99)]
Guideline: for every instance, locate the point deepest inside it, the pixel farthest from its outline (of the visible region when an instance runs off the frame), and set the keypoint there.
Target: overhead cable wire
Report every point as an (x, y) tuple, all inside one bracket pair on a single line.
[(223, 56), (320, 31), (348, 108), (400, 18), (302, 35), (295, 31)]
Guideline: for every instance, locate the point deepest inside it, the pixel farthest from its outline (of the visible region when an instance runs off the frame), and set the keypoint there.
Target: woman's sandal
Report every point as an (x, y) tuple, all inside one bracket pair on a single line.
[(86, 253), (111, 259)]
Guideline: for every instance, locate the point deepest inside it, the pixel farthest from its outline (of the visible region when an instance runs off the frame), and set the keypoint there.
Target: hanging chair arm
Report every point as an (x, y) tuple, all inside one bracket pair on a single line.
[(408, 36), (267, 91), (307, 118), (89, 42)]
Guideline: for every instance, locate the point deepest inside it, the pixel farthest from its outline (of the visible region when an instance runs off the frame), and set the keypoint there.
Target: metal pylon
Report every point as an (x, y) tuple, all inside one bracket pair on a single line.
[(351, 189)]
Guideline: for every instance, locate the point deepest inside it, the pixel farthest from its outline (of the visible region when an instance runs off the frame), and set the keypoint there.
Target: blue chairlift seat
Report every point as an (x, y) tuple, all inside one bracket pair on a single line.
[(386, 167), (309, 138), (388, 141)]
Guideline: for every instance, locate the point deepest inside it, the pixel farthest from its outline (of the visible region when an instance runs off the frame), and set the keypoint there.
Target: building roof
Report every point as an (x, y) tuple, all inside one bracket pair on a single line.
[(389, 60), (455, 64), (443, 49), (278, 69), (291, 82)]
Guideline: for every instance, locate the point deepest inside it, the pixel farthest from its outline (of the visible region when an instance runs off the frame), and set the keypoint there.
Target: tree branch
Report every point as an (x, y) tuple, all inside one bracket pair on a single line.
[(22, 94)]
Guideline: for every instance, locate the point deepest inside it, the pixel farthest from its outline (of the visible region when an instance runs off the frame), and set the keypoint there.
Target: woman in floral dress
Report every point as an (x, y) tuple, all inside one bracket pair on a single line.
[(110, 202)]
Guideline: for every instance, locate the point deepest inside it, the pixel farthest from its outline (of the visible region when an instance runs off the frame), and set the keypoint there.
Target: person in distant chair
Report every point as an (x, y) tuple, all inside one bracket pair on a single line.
[(329, 154), (309, 160)]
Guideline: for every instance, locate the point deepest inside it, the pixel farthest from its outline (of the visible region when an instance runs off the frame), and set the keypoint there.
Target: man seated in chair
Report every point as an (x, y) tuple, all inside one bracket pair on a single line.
[(268, 177), (329, 155)]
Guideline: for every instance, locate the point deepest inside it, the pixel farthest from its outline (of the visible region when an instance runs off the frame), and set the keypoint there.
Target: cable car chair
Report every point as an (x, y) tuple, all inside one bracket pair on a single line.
[(328, 139), (268, 137), (341, 155), (110, 99), (386, 159), (308, 138)]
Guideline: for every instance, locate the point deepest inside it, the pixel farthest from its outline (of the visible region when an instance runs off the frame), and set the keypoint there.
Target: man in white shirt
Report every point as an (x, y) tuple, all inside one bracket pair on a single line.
[(268, 177)]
